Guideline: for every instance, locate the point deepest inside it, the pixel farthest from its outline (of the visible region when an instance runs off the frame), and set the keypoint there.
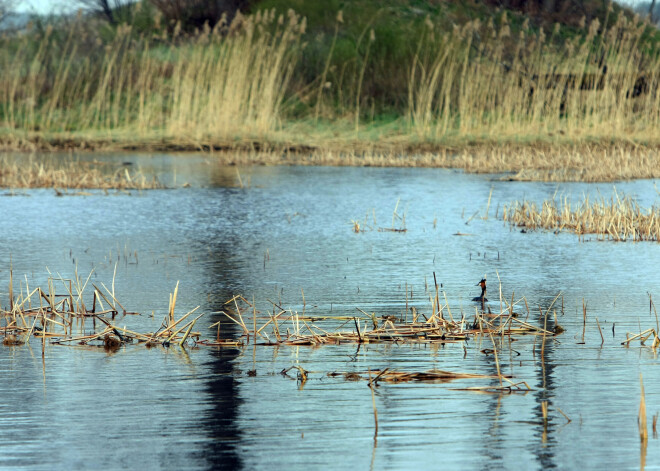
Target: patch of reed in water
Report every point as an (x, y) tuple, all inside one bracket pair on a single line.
[(620, 218), (71, 174), (289, 327), (65, 317)]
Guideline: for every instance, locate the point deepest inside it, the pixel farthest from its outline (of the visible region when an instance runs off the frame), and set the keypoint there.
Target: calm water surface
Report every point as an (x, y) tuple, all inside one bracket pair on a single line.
[(289, 231)]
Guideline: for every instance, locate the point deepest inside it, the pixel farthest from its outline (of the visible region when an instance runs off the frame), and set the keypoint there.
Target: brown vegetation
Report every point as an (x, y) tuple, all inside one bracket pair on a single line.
[(71, 174), (619, 219), (473, 102)]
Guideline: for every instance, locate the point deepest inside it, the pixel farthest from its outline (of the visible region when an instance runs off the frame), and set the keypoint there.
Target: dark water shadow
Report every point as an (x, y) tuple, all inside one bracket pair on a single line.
[(222, 386)]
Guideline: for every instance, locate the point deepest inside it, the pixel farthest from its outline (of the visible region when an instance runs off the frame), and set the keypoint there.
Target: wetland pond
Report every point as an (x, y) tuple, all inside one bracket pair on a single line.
[(281, 233)]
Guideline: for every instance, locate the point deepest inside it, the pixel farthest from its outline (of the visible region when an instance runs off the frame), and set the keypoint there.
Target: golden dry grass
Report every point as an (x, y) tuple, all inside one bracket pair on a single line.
[(620, 218), (587, 163), (227, 81), (537, 111), (469, 82), (71, 174), (590, 163)]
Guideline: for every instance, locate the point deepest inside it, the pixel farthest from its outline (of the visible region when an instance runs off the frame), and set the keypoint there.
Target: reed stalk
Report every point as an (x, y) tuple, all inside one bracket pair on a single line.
[(373, 401), (643, 428), (602, 339), (497, 362)]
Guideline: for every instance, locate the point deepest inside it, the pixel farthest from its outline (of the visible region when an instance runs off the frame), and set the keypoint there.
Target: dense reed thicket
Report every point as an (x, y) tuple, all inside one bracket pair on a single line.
[(263, 78), (480, 81), (227, 81)]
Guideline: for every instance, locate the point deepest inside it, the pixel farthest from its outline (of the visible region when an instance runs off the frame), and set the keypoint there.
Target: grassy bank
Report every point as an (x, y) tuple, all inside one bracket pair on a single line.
[(376, 79)]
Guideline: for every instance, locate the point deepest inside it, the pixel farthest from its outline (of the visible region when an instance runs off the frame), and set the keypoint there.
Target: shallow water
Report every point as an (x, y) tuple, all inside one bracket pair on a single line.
[(289, 231)]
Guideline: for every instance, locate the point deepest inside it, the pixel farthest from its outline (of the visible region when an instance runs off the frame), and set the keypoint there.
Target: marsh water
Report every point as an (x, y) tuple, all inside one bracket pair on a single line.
[(281, 233)]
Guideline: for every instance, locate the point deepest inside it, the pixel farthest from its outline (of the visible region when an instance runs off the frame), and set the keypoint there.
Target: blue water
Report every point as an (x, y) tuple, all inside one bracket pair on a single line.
[(289, 232)]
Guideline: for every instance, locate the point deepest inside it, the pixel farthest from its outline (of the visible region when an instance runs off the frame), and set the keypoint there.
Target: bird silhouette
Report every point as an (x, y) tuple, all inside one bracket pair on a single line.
[(482, 297)]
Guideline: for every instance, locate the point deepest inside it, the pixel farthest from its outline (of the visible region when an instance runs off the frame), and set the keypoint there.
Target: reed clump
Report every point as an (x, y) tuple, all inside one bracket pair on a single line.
[(619, 219), (224, 81), (71, 174), (479, 81), (70, 317)]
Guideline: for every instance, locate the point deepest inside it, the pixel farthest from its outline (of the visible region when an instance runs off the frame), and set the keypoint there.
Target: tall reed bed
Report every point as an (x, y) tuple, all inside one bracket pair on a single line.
[(223, 80), (480, 81), (620, 218)]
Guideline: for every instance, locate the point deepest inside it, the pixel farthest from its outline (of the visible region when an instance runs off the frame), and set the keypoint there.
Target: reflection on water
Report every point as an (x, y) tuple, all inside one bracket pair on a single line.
[(289, 231)]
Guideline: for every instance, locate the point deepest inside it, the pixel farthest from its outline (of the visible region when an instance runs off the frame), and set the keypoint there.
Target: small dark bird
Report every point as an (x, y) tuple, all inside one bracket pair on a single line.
[(482, 297)]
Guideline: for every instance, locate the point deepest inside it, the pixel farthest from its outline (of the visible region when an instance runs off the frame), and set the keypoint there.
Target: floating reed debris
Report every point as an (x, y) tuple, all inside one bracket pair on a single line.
[(71, 174), (365, 225), (619, 219), (65, 319), (437, 376), (643, 337), (390, 376), (289, 327)]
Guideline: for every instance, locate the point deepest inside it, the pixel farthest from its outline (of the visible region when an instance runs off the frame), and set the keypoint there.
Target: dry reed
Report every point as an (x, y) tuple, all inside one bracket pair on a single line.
[(590, 163), (228, 88), (619, 219), (479, 81), (71, 174), (62, 318), (432, 328), (225, 81), (643, 428)]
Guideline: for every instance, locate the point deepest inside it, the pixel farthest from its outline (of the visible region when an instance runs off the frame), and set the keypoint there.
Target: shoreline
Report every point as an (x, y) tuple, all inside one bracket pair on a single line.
[(534, 160)]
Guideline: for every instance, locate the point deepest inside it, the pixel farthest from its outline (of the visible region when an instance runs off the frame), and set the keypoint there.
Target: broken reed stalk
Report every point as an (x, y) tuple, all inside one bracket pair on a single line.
[(357, 329), (11, 287), (240, 316), (545, 329), (490, 195), (405, 316), (43, 337), (568, 420), (451, 318), (602, 339), (185, 336), (172, 302)]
